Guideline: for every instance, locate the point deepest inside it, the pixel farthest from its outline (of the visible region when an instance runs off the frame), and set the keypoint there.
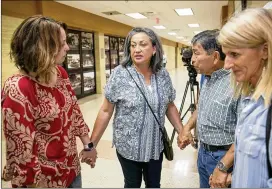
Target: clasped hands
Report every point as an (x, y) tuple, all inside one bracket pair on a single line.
[(219, 179), (88, 157), (185, 138)]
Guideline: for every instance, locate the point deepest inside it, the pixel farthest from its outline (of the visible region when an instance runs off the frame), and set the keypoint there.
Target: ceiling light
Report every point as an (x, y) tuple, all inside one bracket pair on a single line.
[(193, 25), (180, 37), (159, 27), (172, 33), (184, 12), (136, 15), (196, 32)]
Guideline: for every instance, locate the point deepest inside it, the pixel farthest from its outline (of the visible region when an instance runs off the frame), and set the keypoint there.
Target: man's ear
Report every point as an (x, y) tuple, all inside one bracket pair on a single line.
[(216, 56)]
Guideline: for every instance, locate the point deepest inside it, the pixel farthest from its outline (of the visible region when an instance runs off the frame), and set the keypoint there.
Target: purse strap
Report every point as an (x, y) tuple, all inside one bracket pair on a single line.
[(146, 100), (268, 131)]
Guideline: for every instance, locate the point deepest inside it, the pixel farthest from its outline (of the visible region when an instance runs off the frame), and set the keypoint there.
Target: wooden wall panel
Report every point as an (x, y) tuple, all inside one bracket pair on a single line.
[(84, 20), (224, 15), (19, 9)]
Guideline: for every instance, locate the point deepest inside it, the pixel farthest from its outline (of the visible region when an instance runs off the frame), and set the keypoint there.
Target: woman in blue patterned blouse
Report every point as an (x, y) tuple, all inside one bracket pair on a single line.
[(247, 42), (136, 134)]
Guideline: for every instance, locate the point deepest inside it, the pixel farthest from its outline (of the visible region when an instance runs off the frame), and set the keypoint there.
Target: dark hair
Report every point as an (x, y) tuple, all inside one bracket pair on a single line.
[(156, 60), (208, 40), (35, 44)]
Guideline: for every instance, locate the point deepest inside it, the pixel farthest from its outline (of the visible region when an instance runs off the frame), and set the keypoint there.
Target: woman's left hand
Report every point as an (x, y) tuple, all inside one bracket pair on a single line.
[(5, 175)]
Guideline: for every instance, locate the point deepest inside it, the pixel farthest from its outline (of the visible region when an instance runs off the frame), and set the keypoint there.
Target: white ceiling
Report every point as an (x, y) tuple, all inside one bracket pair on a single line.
[(206, 14)]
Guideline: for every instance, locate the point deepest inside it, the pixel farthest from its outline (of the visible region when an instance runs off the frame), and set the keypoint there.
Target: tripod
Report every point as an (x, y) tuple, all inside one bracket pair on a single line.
[(192, 83)]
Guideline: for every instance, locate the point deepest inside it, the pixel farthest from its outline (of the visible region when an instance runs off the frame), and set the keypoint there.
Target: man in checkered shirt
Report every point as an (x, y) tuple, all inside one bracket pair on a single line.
[(216, 114)]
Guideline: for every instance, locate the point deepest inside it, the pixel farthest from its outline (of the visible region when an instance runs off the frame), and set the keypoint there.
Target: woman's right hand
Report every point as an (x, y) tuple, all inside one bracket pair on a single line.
[(88, 157), (185, 138)]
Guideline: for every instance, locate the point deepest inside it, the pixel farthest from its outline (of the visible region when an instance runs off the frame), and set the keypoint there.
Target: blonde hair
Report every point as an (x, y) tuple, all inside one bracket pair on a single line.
[(35, 45), (250, 29)]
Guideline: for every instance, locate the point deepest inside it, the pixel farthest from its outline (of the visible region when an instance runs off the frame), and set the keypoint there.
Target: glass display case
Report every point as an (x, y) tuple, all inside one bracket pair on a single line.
[(80, 62), (114, 53)]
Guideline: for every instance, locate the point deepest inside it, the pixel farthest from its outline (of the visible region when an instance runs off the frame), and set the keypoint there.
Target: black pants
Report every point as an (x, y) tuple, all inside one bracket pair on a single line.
[(134, 170)]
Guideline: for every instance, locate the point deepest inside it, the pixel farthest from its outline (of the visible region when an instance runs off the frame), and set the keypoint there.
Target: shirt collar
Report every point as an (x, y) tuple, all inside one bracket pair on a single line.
[(220, 73)]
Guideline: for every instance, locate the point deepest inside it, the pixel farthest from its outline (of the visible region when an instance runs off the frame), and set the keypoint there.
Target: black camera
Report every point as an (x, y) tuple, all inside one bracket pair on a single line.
[(187, 54)]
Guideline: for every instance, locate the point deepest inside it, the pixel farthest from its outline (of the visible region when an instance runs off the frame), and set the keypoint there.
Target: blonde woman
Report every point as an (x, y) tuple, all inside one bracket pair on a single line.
[(41, 117), (247, 42)]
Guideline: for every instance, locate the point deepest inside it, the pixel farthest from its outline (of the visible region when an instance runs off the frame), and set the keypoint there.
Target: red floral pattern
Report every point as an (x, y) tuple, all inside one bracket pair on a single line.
[(40, 125)]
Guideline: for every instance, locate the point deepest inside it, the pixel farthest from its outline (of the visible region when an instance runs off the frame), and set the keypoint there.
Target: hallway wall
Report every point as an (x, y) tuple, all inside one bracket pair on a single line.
[(13, 15), (170, 54), (9, 24)]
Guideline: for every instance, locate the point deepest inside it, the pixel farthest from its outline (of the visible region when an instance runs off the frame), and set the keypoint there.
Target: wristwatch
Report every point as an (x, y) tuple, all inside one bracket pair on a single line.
[(89, 147), (221, 166)]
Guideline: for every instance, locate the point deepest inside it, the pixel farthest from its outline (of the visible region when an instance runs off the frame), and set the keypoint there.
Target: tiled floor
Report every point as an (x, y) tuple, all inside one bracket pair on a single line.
[(179, 173)]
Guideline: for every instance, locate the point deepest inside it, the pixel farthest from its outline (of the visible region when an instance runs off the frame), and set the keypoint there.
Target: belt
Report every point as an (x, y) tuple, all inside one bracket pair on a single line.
[(215, 148)]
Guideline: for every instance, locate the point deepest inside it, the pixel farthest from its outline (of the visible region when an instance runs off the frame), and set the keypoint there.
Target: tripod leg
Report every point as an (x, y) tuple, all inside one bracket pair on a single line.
[(195, 99), (195, 130), (184, 97), (181, 107)]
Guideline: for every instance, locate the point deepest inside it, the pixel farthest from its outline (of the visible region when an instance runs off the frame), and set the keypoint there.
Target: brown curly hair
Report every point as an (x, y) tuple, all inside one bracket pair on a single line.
[(35, 45)]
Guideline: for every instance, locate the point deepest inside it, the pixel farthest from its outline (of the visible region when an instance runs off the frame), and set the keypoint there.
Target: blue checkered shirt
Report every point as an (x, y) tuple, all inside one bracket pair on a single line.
[(217, 110)]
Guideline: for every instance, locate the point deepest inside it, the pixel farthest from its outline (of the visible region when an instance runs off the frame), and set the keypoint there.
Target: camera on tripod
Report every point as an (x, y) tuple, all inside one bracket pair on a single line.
[(187, 54), (191, 84)]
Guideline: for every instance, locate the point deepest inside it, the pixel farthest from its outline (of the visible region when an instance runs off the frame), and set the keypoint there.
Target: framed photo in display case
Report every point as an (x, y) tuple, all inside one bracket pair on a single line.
[(113, 43), (106, 42), (121, 57), (75, 80), (87, 41), (107, 75), (73, 41), (107, 59), (114, 52), (89, 82), (121, 44), (114, 59), (88, 60), (73, 61)]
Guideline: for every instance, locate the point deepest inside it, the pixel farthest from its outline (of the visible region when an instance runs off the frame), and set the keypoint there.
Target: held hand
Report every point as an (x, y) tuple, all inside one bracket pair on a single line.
[(88, 157), (5, 175), (218, 179), (185, 138), (229, 178)]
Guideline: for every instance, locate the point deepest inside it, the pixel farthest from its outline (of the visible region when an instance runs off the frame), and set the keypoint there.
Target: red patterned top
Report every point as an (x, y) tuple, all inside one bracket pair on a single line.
[(40, 126)]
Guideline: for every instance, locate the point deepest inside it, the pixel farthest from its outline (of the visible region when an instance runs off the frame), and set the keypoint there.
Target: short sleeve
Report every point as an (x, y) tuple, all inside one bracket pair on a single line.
[(170, 89), (112, 86)]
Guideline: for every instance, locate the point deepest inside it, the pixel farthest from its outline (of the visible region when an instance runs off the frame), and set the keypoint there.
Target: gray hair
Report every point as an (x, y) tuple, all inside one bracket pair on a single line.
[(208, 40), (156, 60)]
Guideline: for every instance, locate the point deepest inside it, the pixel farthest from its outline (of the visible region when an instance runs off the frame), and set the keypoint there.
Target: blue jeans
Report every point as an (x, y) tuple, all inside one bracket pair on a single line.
[(77, 182), (206, 163)]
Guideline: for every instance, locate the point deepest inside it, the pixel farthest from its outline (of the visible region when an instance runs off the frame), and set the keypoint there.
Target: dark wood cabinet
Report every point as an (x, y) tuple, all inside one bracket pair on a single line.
[(80, 62), (114, 52)]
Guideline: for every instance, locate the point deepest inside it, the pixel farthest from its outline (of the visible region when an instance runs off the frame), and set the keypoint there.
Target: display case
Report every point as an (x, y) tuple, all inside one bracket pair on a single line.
[(80, 62), (114, 53)]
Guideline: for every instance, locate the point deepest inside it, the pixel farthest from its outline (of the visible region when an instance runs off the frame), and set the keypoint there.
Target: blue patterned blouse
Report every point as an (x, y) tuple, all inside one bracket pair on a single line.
[(136, 134)]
